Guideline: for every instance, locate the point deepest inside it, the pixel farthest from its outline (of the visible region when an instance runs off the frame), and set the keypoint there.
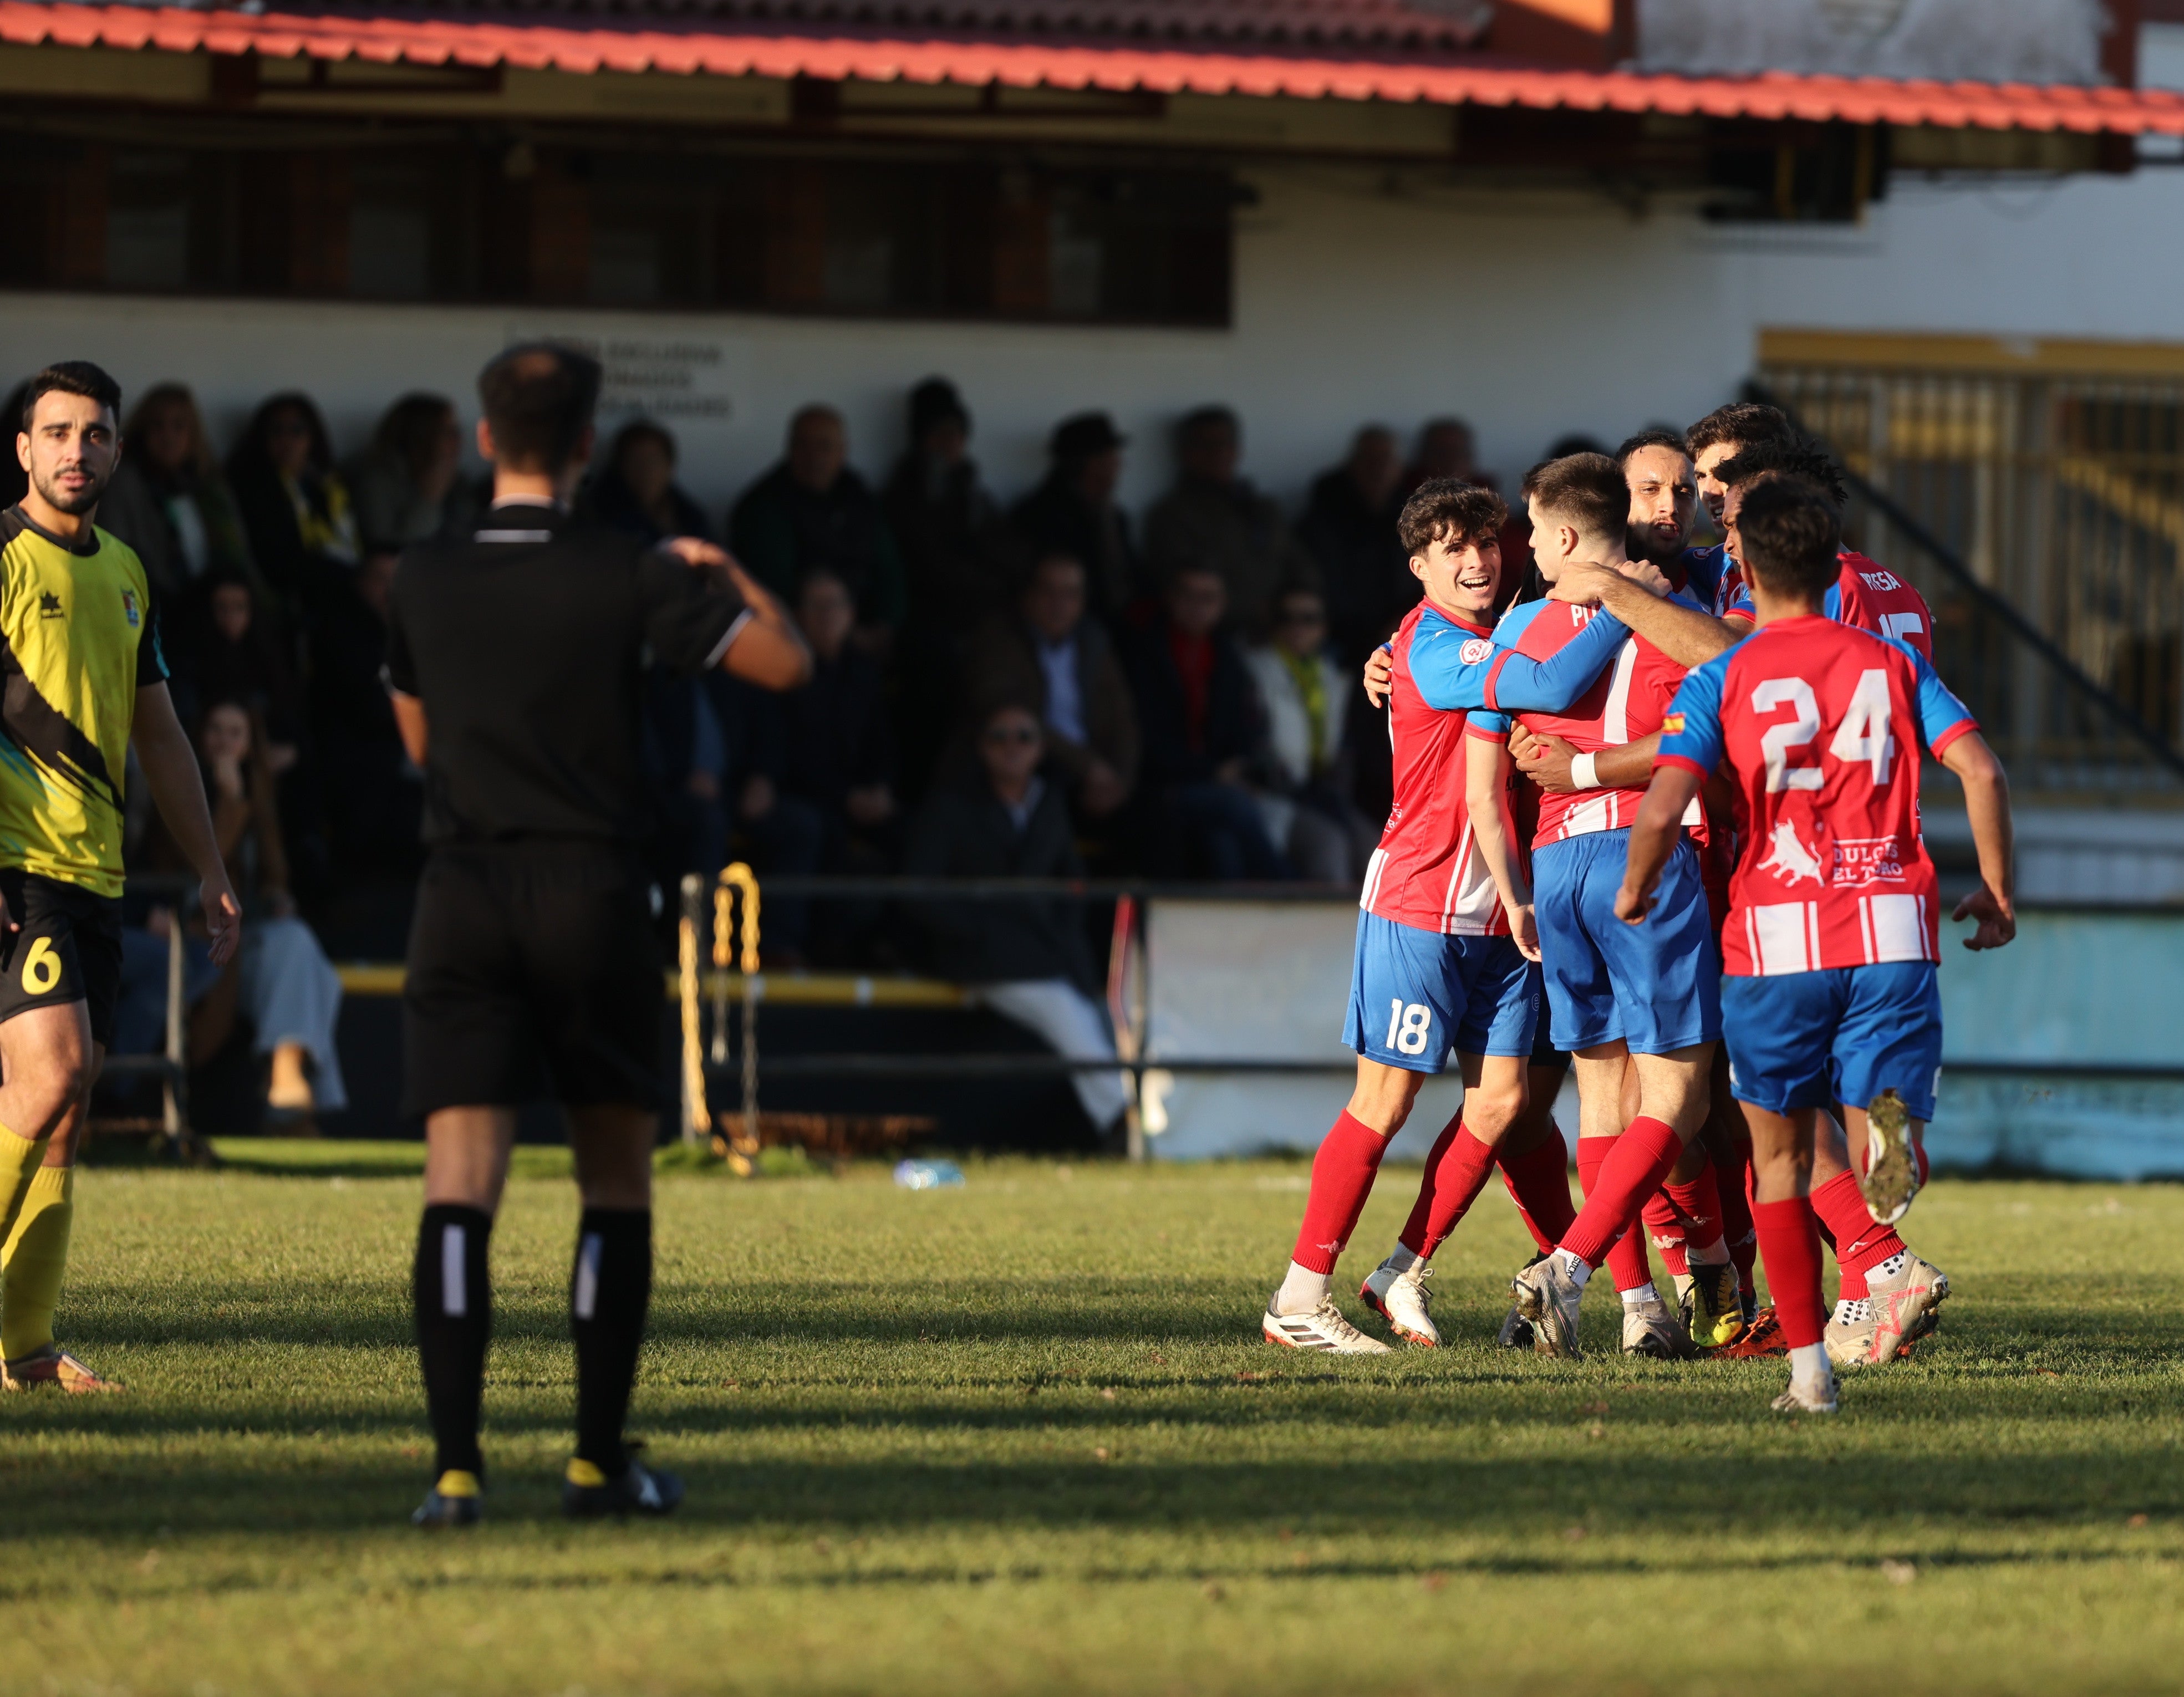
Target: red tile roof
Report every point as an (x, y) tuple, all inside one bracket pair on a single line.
[(1019, 56)]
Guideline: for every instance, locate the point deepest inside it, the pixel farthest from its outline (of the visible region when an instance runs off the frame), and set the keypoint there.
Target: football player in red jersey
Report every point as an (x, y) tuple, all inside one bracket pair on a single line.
[(1830, 991), (1445, 958), (1647, 1002)]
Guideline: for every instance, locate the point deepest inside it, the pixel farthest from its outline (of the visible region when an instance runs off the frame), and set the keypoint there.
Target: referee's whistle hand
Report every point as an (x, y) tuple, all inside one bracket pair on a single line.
[(223, 920)]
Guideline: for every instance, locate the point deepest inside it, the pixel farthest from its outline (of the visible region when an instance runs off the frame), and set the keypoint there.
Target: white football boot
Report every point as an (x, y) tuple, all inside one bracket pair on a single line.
[(1323, 1328), (1402, 1300)]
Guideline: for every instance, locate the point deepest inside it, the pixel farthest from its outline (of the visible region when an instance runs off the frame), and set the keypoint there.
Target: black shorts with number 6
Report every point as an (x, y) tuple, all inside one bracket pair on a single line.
[(69, 949)]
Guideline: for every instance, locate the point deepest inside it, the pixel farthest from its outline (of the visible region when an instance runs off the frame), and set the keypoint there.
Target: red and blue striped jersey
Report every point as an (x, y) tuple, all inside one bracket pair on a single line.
[(1626, 701), (1821, 725), (1428, 871), (1865, 595)]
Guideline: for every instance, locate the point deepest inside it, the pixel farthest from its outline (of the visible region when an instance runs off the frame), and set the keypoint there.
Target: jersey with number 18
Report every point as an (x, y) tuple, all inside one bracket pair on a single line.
[(1821, 725)]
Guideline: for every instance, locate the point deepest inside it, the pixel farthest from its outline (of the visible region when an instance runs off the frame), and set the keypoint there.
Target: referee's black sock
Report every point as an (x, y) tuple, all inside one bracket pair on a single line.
[(607, 1296), (455, 1322)]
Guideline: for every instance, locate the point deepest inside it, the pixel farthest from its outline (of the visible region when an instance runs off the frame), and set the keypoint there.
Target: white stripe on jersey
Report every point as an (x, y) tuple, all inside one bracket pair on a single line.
[(1615, 719)]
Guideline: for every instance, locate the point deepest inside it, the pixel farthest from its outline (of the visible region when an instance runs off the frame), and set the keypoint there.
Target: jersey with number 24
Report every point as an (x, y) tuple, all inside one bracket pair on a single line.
[(1820, 724)]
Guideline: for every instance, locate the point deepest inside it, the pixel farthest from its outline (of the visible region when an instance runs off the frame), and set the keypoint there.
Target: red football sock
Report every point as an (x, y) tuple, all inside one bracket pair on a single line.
[(1341, 1179), (1632, 1171), (1626, 1260), (1698, 1203), (1455, 1172), (1664, 1224), (1538, 1184), (1860, 1245), (1790, 1246)]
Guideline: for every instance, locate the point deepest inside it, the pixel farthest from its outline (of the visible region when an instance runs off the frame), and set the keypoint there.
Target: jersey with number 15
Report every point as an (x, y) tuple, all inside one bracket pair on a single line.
[(1821, 725)]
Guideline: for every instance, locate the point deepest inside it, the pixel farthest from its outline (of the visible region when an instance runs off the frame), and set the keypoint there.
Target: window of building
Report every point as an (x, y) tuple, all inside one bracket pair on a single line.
[(481, 219)]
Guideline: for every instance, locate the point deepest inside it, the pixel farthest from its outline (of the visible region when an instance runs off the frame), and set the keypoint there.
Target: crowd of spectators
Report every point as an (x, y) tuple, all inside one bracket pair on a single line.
[(1177, 690)]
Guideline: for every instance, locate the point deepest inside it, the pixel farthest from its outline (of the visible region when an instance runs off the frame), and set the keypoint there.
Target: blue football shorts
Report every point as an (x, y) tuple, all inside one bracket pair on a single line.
[(1806, 1039), (1657, 986), (1415, 995)]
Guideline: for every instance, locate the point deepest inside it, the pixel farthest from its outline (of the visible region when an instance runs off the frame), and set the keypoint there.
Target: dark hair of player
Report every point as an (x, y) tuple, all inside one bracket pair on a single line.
[(1795, 457), (1587, 489), (1652, 438), (1448, 510), (1742, 424), (538, 401), (72, 377), (1789, 531)]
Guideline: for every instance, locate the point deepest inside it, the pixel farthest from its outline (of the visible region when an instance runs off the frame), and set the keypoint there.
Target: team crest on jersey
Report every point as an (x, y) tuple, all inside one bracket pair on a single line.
[(49, 605), (1867, 860), (129, 608), (1788, 858), (1474, 651)]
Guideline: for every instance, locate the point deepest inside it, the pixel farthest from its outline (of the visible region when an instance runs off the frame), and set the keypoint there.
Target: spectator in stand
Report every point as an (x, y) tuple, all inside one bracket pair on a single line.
[(1203, 738), (1350, 527), (283, 979), (943, 520), (836, 751), (376, 798), (1074, 512), (14, 481), (1027, 959), (1447, 448), (813, 511), (405, 483), (953, 549), (636, 490), (167, 500), (1305, 693), (1214, 518), (226, 651), (295, 508), (1049, 655)]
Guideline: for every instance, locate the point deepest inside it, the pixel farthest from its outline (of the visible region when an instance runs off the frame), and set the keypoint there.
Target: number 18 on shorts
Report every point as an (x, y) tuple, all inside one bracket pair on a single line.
[(1415, 995)]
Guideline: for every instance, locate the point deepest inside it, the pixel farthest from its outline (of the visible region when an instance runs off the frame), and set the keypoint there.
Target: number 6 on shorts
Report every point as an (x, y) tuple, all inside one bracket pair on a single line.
[(41, 967)]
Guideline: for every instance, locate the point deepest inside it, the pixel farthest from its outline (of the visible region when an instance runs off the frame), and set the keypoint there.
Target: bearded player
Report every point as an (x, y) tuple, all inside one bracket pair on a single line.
[(86, 684), (1830, 992)]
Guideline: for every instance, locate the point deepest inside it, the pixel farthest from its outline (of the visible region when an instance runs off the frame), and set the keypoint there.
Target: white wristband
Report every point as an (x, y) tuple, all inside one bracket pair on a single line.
[(1583, 772)]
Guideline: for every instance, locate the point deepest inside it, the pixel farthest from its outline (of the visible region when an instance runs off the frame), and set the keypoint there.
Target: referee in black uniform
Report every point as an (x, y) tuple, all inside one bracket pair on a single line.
[(515, 659)]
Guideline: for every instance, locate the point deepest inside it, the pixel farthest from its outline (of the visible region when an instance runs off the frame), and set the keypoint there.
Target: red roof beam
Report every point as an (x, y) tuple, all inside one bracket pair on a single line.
[(881, 57)]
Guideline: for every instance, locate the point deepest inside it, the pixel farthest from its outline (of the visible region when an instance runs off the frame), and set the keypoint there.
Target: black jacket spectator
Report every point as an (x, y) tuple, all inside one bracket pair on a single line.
[(1350, 528), (813, 512), (1074, 512), (295, 508), (965, 831), (167, 500), (375, 800), (1215, 519), (944, 521), (636, 490), (1198, 709)]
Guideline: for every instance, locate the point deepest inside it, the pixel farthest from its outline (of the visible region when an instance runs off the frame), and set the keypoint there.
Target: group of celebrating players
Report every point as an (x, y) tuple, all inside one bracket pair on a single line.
[(1716, 754)]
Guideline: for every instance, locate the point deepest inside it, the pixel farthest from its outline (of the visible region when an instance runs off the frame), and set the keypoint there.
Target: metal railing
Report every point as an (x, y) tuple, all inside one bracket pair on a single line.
[(705, 1058), (2043, 517)]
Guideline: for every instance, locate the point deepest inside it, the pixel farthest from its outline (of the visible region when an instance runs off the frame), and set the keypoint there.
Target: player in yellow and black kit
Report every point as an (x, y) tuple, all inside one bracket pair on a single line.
[(81, 678)]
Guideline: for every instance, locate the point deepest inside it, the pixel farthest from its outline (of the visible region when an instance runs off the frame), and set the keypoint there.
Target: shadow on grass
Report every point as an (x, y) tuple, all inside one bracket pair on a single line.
[(1527, 1503)]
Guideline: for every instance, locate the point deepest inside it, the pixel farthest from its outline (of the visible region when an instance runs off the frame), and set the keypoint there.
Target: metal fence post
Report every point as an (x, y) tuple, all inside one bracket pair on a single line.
[(697, 1119), (742, 1150)]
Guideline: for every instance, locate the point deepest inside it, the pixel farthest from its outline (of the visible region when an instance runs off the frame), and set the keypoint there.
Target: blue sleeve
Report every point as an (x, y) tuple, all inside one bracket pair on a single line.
[(1741, 602), (1492, 724), (1940, 712), (1512, 682), (1690, 734)]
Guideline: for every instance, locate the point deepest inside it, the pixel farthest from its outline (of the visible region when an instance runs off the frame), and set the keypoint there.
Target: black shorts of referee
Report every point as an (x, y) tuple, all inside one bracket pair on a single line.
[(532, 971)]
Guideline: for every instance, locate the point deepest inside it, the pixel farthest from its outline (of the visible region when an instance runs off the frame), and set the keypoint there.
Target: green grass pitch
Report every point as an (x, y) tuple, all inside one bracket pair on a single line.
[(1023, 1437)]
